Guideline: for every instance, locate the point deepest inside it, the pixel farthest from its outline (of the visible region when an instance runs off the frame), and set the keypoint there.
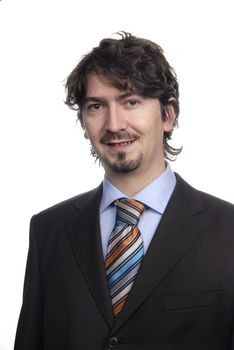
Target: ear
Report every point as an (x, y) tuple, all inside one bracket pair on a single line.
[(169, 121)]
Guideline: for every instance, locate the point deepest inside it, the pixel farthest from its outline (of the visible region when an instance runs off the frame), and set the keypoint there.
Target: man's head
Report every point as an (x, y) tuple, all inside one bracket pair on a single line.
[(131, 65)]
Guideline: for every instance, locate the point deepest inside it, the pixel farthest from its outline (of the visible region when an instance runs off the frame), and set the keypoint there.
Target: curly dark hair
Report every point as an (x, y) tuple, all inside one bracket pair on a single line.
[(128, 63)]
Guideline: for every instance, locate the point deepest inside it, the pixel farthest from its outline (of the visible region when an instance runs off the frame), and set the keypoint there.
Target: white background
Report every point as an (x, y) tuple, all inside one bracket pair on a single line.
[(44, 157)]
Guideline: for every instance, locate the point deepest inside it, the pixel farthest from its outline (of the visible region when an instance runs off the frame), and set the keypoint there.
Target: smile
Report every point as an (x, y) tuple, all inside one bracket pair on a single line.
[(120, 143)]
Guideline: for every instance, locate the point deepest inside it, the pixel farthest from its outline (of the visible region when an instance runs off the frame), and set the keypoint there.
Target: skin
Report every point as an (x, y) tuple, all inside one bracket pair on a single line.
[(126, 131)]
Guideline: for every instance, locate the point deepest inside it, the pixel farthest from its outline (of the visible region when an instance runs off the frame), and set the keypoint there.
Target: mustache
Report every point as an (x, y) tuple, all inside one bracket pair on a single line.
[(121, 135)]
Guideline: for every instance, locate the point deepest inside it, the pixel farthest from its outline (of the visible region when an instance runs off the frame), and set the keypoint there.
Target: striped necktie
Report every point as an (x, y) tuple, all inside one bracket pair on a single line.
[(125, 251)]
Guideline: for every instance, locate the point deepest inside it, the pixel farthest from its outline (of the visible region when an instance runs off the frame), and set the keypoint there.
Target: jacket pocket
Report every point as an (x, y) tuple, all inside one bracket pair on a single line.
[(192, 300)]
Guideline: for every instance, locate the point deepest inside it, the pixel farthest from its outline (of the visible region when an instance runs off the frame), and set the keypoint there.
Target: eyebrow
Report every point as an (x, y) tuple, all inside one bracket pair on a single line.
[(101, 99)]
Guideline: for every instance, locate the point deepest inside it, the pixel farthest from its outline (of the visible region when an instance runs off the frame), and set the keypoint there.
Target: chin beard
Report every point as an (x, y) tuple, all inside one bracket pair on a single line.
[(122, 165)]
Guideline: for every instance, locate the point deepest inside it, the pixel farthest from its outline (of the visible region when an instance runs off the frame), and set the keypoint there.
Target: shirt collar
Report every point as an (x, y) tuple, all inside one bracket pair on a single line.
[(155, 195)]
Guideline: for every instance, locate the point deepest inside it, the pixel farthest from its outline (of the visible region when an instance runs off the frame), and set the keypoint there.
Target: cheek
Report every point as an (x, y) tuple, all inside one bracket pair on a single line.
[(92, 137), (93, 126), (152, 127), (142, 124), (90, 130)]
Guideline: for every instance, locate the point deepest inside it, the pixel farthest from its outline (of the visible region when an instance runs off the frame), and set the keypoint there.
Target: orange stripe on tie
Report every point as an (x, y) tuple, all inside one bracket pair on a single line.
[(121, 247)]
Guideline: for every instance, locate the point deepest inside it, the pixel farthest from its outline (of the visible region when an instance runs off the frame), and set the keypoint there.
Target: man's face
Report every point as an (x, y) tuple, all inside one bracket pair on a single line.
[(125, 129)]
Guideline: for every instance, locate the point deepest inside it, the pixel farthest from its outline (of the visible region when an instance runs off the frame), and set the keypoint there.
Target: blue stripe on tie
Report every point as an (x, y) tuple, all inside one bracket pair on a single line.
[(118, 264), (117, 230), (119, 222), (127, 218), (130, 263)]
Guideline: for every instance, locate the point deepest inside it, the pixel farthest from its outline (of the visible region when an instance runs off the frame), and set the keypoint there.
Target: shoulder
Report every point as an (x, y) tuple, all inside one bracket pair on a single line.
[(212, 201), (219, 211), (217, 207), (64, 209)]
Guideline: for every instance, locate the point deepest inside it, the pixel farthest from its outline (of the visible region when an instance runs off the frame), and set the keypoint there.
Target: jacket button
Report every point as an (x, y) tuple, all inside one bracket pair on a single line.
[(113, 342)]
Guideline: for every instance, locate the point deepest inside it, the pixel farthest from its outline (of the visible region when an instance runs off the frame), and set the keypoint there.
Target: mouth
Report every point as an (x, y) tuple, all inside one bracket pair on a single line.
[(120, 143)]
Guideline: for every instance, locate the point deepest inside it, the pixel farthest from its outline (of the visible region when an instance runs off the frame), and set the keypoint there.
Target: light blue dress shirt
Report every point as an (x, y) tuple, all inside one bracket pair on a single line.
[(156, 196)]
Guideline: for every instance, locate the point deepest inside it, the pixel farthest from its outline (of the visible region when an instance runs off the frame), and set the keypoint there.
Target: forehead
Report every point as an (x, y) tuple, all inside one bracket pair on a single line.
[(100, 84)]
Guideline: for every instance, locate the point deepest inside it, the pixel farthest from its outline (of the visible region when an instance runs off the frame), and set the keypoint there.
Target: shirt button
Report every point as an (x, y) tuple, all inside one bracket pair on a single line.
[(113, 342)]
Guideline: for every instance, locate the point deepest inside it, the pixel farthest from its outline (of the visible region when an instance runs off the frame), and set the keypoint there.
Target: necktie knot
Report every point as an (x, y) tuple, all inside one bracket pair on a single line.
[(128, 211)]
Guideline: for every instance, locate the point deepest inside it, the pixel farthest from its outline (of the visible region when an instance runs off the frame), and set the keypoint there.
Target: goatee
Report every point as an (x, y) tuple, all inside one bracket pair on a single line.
[(122, 165)]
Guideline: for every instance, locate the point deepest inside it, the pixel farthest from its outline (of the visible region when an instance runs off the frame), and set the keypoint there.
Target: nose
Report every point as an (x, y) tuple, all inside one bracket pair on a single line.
[(115, 118)]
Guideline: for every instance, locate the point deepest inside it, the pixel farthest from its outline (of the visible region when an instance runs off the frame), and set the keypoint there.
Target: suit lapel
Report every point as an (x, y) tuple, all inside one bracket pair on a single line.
[(84, 234), (181, 226)]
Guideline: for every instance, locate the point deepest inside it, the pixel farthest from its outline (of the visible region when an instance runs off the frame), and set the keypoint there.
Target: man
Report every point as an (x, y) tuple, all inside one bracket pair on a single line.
[(144, 261)]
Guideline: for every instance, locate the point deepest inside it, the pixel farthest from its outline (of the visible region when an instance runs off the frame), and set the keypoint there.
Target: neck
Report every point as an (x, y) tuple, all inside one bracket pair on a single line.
[(134, 181)]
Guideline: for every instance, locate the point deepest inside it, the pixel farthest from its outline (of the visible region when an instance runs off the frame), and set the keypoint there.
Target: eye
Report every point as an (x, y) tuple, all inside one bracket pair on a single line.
[(132, 102), (94, 106)]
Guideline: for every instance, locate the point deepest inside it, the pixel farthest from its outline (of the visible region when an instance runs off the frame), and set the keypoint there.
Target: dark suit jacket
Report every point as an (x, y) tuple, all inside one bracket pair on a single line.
[(182, 298)]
